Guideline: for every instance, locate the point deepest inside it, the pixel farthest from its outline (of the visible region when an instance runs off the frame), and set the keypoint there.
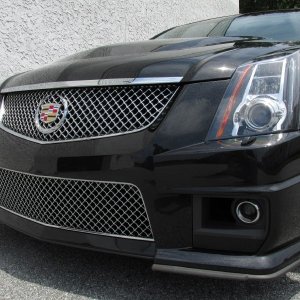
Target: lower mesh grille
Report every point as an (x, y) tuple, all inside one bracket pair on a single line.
[(91, 206)]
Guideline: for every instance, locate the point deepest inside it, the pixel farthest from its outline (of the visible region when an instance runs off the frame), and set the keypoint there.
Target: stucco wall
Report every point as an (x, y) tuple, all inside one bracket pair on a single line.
[(36, 32)]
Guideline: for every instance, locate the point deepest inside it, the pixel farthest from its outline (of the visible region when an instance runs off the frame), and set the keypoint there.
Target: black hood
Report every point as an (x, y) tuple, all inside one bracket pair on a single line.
[(193, 59)]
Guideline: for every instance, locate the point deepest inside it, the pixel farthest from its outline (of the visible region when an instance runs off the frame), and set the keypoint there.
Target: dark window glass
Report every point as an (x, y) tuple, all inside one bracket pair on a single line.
[(198, 29), (280, 26)]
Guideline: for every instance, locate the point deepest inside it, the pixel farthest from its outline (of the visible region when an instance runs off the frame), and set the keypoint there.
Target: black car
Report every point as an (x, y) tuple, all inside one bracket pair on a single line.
[(184, 149)]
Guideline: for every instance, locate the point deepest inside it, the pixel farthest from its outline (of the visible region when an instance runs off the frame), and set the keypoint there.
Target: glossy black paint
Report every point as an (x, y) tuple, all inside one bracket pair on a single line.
[(194, 59), (174, 166)]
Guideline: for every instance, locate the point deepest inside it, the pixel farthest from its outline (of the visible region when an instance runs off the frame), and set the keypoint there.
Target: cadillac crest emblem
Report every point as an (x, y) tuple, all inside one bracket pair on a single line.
[(51, 114)]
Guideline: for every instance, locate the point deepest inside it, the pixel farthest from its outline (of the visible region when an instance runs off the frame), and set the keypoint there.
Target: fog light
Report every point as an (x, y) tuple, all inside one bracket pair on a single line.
[(247, 212)]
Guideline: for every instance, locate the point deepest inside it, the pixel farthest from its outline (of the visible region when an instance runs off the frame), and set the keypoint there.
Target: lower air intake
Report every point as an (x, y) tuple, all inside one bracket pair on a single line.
[(105, 208)]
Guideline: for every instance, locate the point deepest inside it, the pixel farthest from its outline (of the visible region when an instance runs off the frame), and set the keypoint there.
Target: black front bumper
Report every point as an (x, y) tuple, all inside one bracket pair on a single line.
[(179, 244), (183, 180), (228, 266), (185, 261)]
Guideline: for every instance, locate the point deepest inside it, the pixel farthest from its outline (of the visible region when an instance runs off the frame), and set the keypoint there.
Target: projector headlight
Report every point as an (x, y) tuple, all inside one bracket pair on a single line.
[(262, 98)]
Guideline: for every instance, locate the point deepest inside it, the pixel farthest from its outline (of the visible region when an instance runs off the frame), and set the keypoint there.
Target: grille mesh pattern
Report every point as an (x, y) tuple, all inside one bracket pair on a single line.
[(91, 206), (92, 112)]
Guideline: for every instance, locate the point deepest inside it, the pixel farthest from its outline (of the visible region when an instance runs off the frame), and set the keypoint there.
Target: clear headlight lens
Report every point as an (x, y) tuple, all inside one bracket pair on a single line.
[(262, 98)]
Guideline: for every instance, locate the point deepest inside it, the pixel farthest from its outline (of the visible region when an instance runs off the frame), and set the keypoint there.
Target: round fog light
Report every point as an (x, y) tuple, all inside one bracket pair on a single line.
[(248, 212)]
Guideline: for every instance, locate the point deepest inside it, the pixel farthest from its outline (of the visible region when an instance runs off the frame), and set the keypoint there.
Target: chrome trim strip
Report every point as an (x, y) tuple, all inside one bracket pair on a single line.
[(157, 80), (70, 229), (92, 83)]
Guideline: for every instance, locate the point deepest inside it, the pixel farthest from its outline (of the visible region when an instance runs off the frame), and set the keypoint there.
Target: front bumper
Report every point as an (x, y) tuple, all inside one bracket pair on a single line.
[(186, 261), (228, 266), (181, 187), (179, 244)]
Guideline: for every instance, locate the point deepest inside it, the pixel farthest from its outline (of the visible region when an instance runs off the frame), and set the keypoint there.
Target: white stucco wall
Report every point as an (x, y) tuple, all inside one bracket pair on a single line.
[(36, 32)]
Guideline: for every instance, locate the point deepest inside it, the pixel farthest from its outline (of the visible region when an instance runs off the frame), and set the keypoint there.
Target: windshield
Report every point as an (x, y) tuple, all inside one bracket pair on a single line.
[(280, 26)]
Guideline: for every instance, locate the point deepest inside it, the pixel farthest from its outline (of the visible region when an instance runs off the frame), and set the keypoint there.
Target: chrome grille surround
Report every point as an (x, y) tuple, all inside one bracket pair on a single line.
[(93, 112), (98, 207)]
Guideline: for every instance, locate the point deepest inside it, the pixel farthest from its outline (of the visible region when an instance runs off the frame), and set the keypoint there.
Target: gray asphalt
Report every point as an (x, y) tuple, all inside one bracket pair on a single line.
[(30, 269)]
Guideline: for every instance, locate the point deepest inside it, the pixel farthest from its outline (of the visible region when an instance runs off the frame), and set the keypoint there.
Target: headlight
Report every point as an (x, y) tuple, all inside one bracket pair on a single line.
[(262, 98)]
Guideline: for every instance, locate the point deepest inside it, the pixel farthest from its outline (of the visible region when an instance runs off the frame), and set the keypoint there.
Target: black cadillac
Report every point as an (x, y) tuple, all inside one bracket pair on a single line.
[(184, 149)]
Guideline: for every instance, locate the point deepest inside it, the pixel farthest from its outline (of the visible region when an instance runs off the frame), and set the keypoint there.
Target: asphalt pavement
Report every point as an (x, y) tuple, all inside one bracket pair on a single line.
[(30, 269)]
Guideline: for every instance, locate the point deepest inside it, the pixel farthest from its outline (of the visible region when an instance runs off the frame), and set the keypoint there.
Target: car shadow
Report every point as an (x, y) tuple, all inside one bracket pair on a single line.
[(97, 275)]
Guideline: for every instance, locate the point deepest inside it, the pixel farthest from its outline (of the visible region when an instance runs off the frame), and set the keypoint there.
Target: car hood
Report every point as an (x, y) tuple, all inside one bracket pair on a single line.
[(192, 59)]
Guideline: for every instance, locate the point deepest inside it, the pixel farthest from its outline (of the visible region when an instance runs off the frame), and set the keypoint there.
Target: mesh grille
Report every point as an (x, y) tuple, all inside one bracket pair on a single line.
[(91, 206), (92, 112)]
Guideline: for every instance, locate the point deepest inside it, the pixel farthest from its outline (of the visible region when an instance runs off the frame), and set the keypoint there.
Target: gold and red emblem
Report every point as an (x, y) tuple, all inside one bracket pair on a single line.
[(49, 112)]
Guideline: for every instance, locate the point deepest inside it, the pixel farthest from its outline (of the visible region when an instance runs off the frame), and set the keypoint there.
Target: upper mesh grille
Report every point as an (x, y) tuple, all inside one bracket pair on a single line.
[(92, 112), (91, 206)]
